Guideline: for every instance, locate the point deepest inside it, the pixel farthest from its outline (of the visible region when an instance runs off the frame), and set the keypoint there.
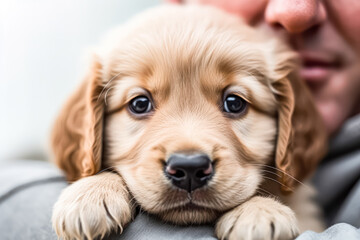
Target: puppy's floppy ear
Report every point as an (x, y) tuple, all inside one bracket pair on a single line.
[(77, 135), (302, 139)]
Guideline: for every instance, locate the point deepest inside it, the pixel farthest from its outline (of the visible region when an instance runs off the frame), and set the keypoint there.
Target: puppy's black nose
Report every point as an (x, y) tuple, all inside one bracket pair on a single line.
[(189, 172)]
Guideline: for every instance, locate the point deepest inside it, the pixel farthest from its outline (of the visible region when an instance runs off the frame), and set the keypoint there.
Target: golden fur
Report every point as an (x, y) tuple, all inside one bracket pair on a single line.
[(185, 59)]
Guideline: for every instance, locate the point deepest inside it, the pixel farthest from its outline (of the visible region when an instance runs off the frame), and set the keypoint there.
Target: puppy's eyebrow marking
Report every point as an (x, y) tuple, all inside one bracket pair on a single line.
[(136, 91), (239, 90), (120, 93), (258, 93)]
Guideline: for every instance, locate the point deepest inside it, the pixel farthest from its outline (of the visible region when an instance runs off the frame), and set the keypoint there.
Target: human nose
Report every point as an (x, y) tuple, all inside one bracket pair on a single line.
[(295, 16)]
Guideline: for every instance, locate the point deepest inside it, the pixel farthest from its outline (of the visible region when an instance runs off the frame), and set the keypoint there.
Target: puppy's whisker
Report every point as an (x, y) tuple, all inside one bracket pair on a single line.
[(267, 171), (105, 97), (106, 85), (285, 173), (269, 178), (267, 192)]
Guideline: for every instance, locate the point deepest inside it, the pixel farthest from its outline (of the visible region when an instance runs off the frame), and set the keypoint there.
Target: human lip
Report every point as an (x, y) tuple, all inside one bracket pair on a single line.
[(317, 66)]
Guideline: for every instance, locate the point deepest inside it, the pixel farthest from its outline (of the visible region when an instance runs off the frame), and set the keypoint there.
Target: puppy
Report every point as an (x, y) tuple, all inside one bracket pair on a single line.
[(195, 117)]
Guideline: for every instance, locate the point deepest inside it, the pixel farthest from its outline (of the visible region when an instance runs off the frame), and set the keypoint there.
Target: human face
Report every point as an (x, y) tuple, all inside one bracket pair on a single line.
[(326, 34)]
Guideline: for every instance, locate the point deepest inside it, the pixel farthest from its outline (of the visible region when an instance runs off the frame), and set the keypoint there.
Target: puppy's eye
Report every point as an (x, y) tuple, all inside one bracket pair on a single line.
[(234, 104), (140, 105)]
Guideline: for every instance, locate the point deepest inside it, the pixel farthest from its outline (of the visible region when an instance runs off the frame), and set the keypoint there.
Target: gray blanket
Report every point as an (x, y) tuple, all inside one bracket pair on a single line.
[(338, 177)]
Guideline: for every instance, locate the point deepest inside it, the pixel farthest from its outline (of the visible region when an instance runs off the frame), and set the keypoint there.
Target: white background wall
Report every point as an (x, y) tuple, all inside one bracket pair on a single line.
[(42, 48)]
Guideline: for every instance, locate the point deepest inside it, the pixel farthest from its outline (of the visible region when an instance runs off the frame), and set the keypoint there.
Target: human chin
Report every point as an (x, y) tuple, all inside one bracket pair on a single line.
[(338, 97), (332, 115)]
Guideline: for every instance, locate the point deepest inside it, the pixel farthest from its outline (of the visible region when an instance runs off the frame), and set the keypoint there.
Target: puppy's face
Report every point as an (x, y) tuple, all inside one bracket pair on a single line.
[(188, 105), (189, 96)]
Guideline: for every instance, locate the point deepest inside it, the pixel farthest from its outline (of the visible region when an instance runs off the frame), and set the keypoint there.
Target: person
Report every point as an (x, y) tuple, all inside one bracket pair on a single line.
[(326, 34)]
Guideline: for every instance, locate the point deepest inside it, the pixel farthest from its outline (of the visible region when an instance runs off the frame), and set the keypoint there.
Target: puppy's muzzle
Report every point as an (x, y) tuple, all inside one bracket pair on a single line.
[(189, 172)]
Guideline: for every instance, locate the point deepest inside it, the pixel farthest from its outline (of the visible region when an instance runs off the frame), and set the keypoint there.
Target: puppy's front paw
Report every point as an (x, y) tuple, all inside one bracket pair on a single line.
[(259, 218), (92, 207)]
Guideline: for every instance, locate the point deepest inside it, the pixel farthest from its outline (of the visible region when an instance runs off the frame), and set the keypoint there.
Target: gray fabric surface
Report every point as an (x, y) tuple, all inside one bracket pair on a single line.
[(341, 231), (13, 177), (328, 176), (347, 139), (338, 177), (147, 227), (28, 190)]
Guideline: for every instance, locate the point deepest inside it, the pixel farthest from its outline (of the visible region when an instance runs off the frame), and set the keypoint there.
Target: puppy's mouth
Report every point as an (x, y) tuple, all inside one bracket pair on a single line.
[(189, 211), (191, 207), (199, 200)]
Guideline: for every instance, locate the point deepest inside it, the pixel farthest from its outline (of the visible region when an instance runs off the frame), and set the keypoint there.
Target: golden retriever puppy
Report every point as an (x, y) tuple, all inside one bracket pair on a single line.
[(195, 117)]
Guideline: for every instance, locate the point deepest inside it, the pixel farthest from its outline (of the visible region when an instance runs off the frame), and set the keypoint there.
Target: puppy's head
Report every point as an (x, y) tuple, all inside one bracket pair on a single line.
[(188, 104)]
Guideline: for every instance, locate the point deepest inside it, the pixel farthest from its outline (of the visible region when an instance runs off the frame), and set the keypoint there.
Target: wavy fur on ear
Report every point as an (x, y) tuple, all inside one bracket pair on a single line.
[(302, 138), (77, 134)]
